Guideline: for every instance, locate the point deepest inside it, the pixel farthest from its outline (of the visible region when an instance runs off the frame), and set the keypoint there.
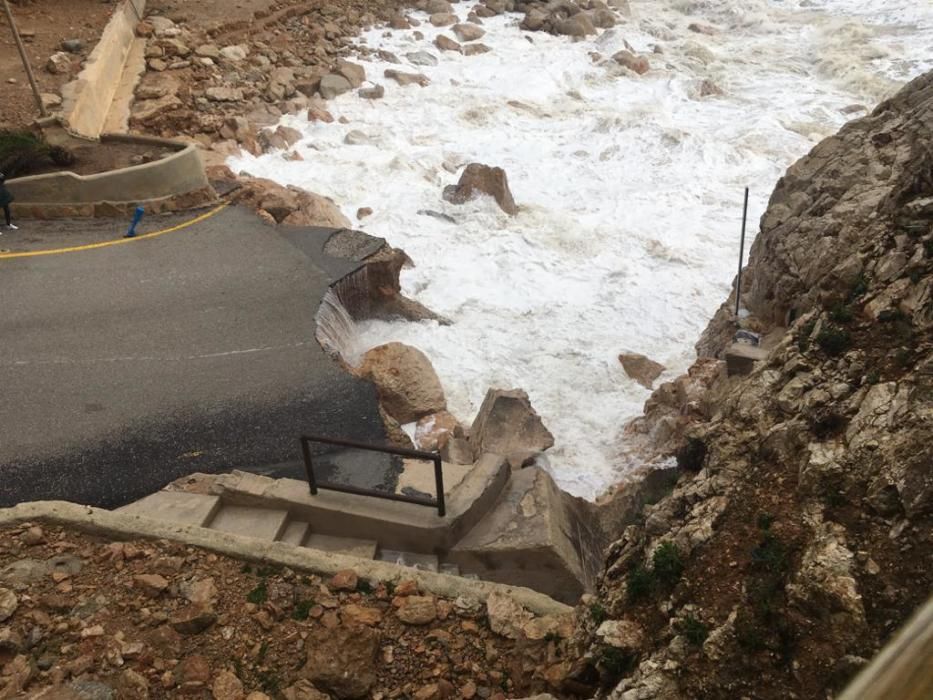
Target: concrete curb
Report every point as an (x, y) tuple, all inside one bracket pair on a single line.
[(96, 521)]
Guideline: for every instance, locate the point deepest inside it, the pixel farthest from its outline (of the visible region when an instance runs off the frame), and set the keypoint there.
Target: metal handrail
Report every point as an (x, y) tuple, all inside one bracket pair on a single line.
[(314, 484)]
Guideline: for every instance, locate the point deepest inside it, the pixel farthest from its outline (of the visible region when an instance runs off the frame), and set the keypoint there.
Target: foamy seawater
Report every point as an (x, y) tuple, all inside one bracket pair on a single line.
[(630, 188)]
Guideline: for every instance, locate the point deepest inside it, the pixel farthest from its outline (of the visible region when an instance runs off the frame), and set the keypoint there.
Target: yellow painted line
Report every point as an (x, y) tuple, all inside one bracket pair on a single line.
[(118, 241)]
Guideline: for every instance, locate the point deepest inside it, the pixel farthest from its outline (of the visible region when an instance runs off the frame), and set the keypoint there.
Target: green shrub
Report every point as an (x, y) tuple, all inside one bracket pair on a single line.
[(638, 585), (770, 555), (859, 287), (840, 313), (765, 520), (615, 662), (694, 631), (803, 340), (668, 566), (833, 341), (258, 595), (598, 613), (302, 609), (22, 152)]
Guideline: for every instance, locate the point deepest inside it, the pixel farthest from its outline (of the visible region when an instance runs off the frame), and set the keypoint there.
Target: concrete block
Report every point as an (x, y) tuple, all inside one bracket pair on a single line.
[(364, 549), (741, 358), (536, 536), (259, 523), (175, 507), (422, 562), (295, 532)]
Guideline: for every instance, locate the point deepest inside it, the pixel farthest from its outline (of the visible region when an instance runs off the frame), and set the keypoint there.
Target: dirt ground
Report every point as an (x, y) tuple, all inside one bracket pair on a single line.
[(91, 157), (44, 25)]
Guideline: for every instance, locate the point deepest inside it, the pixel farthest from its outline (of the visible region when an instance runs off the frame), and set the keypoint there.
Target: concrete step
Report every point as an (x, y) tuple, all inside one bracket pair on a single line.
[(364, 549), (449, 569), (295, 532), (423, 562), (259, 523), (176, 507)]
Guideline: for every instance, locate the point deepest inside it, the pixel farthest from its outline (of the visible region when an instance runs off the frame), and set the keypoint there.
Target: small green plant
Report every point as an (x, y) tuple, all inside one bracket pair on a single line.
[(770, 554), (668, 565), (598, 613), (364, 586), (390, 588), (902, 357), (859, 287), (765, 520), (552, 637), (258, 595), (803, 340), (246, 568), (302, 609), (833, 341), (615, 662), (915, 276), (263, 650), (694, 631), (638, 585), (269, 682), (840, 313), (22, 152), (266, 571), (928, 247), (873, 377)]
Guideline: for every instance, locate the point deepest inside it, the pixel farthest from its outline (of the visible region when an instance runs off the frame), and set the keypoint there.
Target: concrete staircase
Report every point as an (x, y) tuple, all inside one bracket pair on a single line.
[(271, 525)]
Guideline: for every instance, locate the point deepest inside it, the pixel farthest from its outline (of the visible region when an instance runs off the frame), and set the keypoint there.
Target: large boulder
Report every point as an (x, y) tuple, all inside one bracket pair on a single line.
[(332, 85), (638, 64), (342, 661), (316, 210), (468, 32), (291, 206), (507, 425), (407, 383), (353, 72), (642, 369), (482, 179)]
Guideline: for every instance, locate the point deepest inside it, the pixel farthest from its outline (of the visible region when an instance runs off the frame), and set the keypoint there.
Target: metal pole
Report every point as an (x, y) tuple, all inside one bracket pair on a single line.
[(309, 468), (439, 484), (22, 55), (738, 282)]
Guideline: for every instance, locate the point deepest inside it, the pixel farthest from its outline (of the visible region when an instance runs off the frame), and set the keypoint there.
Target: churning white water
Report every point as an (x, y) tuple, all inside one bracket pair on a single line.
[(630, 187)]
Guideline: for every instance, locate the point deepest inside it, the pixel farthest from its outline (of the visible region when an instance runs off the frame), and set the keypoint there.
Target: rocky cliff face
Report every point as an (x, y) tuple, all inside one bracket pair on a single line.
[(801, 538)]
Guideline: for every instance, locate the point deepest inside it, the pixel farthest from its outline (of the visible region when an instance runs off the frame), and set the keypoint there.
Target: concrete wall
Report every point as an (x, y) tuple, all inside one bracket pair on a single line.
[(177, 174), (86, 100)]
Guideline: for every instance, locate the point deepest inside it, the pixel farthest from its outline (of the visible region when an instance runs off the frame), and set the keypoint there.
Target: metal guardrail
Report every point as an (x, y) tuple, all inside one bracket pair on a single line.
[(314, 484)]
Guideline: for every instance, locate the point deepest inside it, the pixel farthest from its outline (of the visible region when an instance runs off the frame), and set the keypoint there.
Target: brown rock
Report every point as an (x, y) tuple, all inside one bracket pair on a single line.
[(407, 78), (303, 690), (363, 212), (359, 615), (353, 72), (638, 64), (332, 85), (417, 610), (345, 580), (192, 619), (32, 536), (443, 19), (227, 687), (445, 43), (482, 179), (468, 31), (507, 424), (626, 635), (641, 368), (9, 602), (132, 686), (376, 92), (475, 49), (406, 588), (192, 673), (316, 113), (151, 585), (316, 210), (343, 661), (456, 450), (407, 384), (198, 591)]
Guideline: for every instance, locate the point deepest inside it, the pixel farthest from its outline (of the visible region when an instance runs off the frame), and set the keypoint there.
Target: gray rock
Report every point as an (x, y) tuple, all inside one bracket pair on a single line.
[(73, 45), (333, 85), (421, 58)]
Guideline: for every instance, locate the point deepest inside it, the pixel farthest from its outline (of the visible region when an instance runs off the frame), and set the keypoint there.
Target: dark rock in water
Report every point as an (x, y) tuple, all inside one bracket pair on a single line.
[(437, 215)]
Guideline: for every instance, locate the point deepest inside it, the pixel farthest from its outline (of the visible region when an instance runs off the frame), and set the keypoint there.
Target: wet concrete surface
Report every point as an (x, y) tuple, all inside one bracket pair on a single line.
[(126, 367)]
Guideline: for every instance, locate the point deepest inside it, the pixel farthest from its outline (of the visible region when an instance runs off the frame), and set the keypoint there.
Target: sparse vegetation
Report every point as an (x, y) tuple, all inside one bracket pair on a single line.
[(615, 662), (22, 152), (258, 595), (765, 520), (803, 340), (859, 287), (668, 565), (694, 631), (833, 341), (302, 609), (841, 313), (638, 584), (598, 613)]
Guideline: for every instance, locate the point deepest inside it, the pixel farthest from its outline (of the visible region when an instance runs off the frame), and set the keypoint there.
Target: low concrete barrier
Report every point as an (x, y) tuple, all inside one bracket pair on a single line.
[(178, 178), (121, 526), (87, 100)]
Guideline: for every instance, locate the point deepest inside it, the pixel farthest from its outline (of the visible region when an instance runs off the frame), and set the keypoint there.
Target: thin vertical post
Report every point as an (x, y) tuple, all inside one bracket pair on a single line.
[(738, 282), (439, 484), (25, 59), (309, 469)]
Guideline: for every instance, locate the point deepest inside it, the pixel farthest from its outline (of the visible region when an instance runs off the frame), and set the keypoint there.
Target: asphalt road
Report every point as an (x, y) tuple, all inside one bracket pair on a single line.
[(125, 367)]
